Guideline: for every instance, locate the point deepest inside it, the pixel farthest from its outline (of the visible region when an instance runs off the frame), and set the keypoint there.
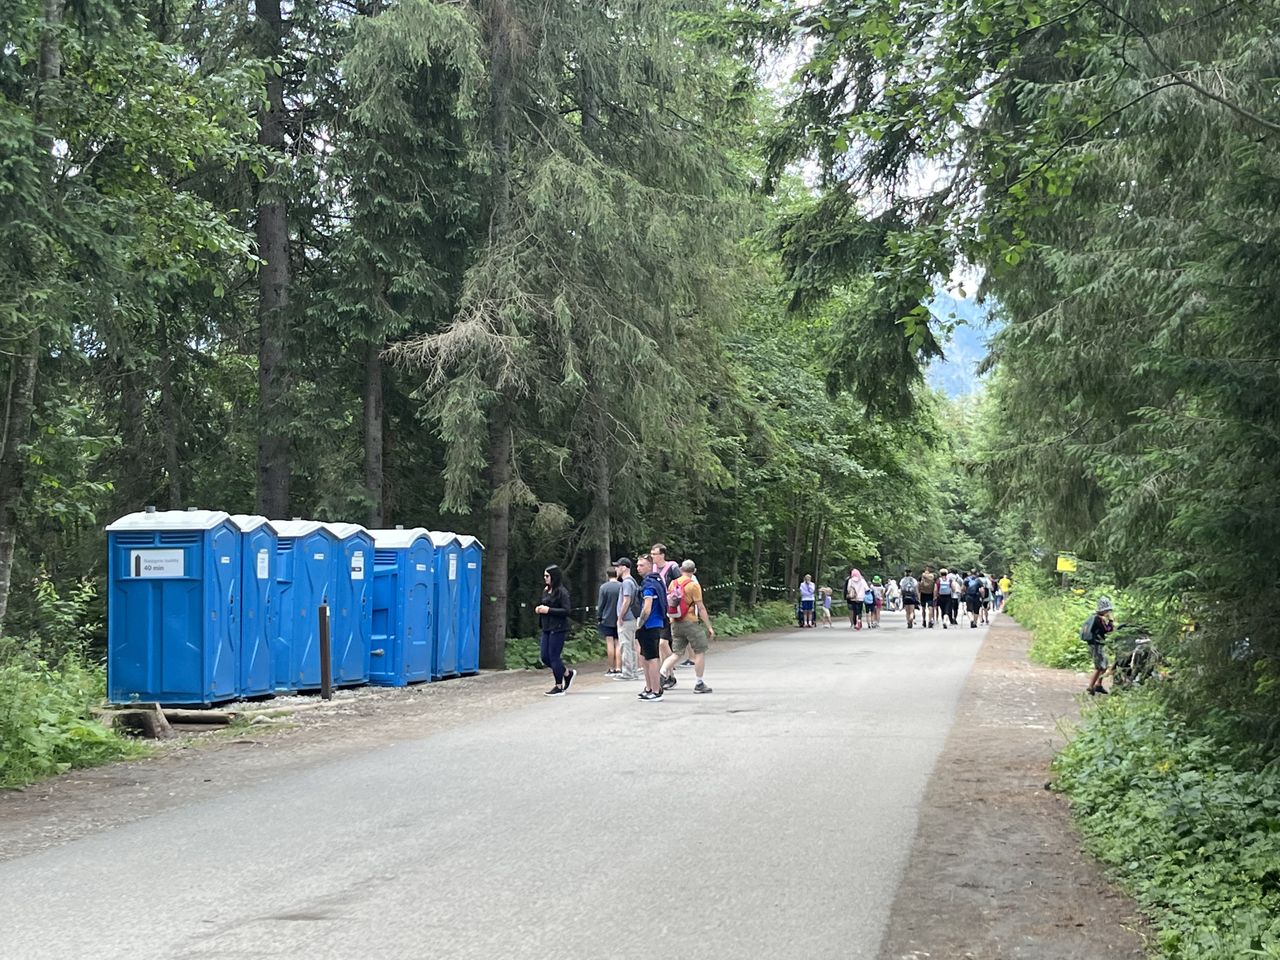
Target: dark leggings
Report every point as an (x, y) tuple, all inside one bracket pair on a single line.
[(552, 649)]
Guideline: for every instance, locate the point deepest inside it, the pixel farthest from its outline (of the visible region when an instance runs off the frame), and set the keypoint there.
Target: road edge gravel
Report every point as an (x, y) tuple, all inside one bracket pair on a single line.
[(997, 871)]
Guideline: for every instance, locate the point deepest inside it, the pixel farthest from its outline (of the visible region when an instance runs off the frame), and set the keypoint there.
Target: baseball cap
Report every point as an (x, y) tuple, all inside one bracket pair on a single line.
[(623, 562)]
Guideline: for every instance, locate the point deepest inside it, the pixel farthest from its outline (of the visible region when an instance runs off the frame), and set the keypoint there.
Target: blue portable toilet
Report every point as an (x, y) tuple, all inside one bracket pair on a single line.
[(469, 609), (351, 609), (447, 574), (255, 671), (173, 632), (402, 602), (305, 554)]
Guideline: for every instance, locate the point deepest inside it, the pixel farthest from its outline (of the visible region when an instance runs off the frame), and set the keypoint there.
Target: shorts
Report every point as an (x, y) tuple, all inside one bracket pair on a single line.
[(806, 605), (648, 638), (608, 631), (926, 601), (1099, 654), (972, 604), (689, 635), (911, 600)]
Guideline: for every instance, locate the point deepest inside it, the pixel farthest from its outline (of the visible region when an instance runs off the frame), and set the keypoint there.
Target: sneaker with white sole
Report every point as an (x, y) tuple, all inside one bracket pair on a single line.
[(555, 692), (668, 682), (701, 687), (568, 678)]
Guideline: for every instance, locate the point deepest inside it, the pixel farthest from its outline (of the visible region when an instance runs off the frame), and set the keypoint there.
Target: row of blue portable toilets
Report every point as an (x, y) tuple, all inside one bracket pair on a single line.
[(204, 607)]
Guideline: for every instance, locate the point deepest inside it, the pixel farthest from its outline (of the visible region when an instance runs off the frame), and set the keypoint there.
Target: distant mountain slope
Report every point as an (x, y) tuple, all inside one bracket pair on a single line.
[(957, 375)]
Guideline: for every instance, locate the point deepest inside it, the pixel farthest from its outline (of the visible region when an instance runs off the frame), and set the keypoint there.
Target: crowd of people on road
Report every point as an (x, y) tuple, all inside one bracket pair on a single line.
[(648, 625), (932, 598)]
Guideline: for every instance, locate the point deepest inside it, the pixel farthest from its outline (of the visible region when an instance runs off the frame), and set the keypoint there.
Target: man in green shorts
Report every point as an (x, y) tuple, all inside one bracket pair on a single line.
[(690, 628)]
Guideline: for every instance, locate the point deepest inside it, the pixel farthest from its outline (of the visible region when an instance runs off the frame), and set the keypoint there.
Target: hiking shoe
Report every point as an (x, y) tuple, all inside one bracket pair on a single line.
[(701, 687), (555, 692), (668, 682), (568, 678)]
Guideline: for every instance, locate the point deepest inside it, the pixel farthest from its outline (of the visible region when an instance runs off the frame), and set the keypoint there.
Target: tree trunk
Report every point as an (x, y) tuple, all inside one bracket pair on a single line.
[(273, 283), (17, 429), (493, 604), (493, 622), (600, 528), (756, 549), (733, 580), (25, 360), (373, 472), (793, 557), (816, 557), (169, 420)]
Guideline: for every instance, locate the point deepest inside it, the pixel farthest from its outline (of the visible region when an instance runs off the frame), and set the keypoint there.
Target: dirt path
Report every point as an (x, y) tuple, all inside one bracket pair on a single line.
[(996, 871)]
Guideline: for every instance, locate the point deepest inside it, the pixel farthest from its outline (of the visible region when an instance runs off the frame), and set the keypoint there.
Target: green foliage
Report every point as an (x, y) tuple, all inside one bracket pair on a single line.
[(1193, 837), (583, 645), (1054, 615), (766, 616), (45, 722)]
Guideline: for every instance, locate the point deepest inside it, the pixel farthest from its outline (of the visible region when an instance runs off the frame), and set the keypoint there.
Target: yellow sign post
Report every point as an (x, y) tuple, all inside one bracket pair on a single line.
[(1066, 564)]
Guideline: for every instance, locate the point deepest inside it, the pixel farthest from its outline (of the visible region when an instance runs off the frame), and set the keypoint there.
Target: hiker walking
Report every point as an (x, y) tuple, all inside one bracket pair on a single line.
[(855, 590), (691, 629), (928, 587), (653, 618), (607, 619), (553, 621), (910, 588), (628, 610)]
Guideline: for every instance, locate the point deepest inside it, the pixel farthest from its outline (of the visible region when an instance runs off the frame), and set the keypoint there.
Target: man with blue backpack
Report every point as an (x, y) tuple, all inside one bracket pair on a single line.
[(653, 621)]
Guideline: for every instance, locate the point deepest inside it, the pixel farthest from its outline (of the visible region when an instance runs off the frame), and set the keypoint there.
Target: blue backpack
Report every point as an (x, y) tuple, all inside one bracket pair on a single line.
[(655, 581)]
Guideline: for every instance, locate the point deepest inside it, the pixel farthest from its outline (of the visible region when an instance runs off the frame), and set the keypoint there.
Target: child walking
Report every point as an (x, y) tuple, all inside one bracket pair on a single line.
[(826, 607)]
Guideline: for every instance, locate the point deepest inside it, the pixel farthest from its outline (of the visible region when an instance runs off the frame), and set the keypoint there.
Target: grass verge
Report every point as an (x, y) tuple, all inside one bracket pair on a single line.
[(1192, 836)]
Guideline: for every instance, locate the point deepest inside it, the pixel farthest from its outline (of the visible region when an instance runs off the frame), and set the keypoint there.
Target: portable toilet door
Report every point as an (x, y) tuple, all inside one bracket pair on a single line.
[(402, 607), (447, 574), (469, 619), (255, 670), (351, 612), (305, 550), (172, 618)]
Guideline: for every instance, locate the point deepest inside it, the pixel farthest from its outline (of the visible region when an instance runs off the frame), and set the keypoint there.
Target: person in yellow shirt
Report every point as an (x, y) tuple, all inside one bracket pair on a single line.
[(690, 628), (1003, 586)]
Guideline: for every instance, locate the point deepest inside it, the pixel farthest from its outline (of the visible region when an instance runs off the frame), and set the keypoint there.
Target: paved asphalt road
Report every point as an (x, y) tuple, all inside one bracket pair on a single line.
[(771, 819)]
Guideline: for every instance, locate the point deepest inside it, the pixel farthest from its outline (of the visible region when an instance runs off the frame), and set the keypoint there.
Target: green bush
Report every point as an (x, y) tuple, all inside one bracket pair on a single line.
[(582, 645), (45, 722), (1193, 837), (765, 616), (1054, 616)]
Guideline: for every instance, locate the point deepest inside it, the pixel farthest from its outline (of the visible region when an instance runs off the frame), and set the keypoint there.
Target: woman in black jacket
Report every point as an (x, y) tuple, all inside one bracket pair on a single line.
[(553, 619)]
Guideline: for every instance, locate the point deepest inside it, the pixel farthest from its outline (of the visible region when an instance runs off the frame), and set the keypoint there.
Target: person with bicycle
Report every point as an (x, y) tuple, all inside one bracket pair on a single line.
[(1094, 633)]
